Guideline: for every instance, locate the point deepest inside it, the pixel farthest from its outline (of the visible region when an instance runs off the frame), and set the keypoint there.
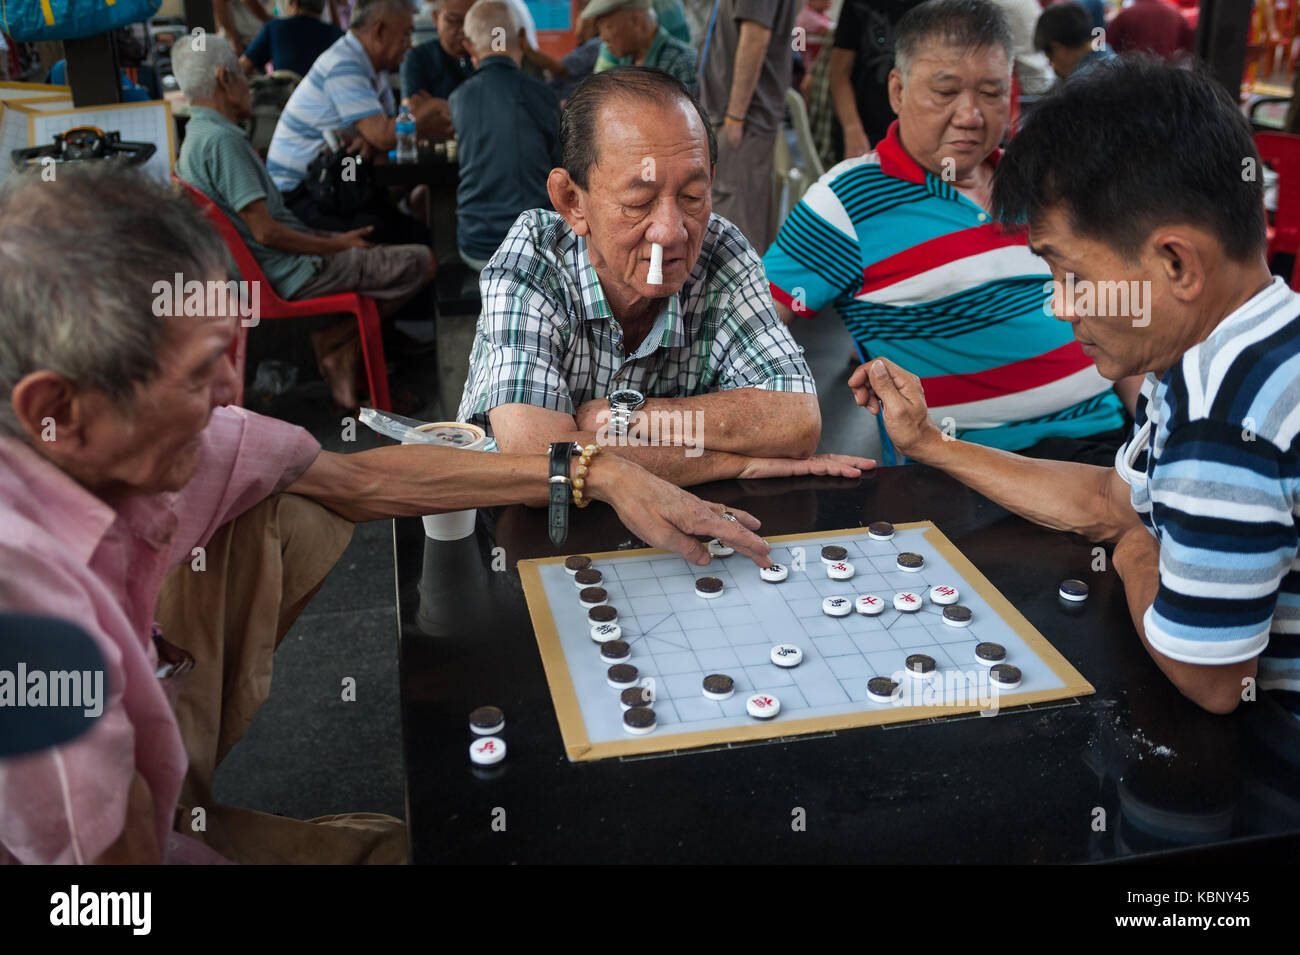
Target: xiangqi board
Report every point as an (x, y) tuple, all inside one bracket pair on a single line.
[(678, 631)]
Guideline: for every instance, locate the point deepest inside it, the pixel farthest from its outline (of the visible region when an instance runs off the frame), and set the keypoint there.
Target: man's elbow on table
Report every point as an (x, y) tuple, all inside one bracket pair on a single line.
[(1215, 689)]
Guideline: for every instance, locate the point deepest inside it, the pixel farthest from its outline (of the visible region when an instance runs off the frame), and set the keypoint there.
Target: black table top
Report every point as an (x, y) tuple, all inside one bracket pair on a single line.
[(1133, 770)]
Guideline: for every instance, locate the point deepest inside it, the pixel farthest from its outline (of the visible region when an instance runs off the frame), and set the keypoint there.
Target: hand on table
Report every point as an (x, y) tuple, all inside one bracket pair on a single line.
[(831, 465), (882, 387), (663, 515)]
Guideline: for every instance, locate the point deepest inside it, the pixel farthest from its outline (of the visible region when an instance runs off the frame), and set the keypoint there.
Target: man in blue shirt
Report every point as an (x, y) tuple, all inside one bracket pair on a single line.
[(292, 42), (1131, 175), (508, 124), (438, 66), (1072, 44)]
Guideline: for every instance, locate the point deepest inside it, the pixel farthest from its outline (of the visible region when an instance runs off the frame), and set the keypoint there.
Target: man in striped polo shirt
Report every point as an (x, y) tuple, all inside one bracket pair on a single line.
[(1139, 174), (902, 242)]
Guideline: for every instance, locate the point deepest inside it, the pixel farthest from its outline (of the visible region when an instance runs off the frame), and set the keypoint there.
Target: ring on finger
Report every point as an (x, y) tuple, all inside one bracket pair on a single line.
[(728, 516)]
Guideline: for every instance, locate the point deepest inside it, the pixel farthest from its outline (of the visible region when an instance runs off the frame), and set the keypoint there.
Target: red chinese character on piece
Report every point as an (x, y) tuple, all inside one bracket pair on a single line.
[(872, 600), (764, 701), (841, 567), (488, 747), (945, 590), (909, 598)]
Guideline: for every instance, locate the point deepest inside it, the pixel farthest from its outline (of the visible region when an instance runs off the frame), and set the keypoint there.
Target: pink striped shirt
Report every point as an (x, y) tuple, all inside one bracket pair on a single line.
[(66, 553)]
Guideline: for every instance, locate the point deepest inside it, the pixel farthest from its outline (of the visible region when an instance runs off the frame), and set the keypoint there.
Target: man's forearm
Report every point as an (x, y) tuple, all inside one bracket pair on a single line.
[(676, 465), (1062, 495), (846, 106), (751, 50), (285, 238), (747, 421)]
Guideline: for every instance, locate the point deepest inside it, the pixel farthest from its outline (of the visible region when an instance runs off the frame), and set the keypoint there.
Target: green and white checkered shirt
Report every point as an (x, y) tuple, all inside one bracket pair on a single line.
[(546, 335)]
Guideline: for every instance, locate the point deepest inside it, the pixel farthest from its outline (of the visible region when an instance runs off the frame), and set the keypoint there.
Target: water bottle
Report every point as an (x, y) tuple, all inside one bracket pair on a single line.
[(406, 147)]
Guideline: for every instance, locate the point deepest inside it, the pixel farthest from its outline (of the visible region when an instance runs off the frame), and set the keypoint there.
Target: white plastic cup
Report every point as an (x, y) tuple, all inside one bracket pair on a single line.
[(453, 525)]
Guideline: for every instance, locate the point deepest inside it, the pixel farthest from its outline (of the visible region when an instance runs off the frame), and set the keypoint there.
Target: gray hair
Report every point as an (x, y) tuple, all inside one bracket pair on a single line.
[(482, 21), (196, 70), (79, 257), (968, 24), (369, 12)]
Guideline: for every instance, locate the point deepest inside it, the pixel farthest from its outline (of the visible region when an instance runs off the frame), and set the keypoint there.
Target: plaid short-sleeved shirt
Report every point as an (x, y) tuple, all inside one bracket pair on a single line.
[(546, 335)]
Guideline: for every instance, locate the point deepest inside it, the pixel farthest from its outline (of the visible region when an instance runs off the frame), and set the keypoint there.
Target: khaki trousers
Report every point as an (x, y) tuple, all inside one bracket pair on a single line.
[(261, 570)]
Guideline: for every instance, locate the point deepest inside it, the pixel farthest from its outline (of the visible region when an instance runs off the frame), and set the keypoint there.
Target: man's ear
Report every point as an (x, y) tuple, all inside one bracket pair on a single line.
[(51, 412), (568, 200), (896, 91), (1182, 262)]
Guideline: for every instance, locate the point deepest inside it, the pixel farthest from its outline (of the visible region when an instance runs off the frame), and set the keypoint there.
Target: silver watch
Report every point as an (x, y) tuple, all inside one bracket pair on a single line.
[(622, 405)]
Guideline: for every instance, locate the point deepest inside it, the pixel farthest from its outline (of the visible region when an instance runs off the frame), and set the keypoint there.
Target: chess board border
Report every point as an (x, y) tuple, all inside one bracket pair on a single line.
[(573, 728)]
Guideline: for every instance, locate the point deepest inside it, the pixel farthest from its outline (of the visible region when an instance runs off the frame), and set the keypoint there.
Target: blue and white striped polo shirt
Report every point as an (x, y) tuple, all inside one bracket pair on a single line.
[(923, 276), (1220, 489), (341, 88)]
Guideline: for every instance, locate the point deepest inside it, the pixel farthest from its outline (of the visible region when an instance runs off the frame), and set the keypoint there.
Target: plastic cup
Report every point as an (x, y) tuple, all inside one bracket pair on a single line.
[(453, 525)]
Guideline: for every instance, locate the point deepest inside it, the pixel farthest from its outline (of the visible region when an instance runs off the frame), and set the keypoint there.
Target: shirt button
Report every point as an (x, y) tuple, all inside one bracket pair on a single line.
[(983, 216)]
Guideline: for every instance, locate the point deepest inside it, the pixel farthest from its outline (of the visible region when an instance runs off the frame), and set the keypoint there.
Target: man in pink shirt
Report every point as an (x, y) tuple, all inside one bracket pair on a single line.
[(122, 477)]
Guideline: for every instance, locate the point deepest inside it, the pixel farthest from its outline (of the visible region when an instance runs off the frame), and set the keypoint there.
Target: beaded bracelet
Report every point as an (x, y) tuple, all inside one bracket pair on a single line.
[(580, 474)]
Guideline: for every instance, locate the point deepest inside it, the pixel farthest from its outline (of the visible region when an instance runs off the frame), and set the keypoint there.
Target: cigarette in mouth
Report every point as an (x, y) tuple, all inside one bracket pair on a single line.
[(656, 274)]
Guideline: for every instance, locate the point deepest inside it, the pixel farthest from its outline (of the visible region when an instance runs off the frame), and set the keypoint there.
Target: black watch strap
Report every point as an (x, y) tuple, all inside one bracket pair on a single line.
[(561, 451)]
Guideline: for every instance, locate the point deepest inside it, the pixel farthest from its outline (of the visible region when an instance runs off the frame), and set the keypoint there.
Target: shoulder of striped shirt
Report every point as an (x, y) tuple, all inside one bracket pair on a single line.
[(1234, 346)]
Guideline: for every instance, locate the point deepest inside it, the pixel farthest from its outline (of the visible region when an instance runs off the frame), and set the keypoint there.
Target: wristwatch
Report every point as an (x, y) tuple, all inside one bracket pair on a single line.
[(560, 485), (622, 405)]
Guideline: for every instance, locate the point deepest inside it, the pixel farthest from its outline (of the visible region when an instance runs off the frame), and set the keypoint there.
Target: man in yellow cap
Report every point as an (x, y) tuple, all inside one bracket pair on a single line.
[(631, 35)]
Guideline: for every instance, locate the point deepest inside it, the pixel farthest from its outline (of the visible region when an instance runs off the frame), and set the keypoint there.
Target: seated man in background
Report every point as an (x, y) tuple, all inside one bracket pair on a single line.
[(901, 242), (217, 159), (1131, 174), (117, 462), (508, 125), (631, 35), (1064, 34), (293, 42), (347, 89), (570, 317), (239, 20), (439, 65)]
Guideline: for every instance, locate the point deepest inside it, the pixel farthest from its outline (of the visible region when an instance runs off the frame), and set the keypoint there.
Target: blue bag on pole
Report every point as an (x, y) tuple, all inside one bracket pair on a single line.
[(33, 20)]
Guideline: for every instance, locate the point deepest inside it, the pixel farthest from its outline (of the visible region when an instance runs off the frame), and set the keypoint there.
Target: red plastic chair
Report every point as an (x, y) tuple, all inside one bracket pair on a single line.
[(1282, 152), (272, 306)]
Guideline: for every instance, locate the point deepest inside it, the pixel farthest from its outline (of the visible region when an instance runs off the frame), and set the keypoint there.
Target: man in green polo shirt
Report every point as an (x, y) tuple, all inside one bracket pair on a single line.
[(631, 35), (218, 160)]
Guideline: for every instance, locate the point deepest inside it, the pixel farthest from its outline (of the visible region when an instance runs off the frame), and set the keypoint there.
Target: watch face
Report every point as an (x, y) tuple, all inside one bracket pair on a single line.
[(626, 398)]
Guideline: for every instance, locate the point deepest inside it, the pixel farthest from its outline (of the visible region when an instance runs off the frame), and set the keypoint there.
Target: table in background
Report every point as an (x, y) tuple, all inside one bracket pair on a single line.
[(1131, 771)]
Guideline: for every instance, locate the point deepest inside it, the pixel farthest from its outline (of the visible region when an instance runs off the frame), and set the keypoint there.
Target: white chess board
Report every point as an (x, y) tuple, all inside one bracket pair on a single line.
[(678, 637)]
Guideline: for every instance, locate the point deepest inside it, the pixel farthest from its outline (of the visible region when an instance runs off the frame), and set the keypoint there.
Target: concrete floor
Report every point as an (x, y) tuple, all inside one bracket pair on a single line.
[(309, 753)]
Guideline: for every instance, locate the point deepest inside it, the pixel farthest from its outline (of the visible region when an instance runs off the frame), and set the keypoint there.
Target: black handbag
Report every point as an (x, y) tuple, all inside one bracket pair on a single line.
[(340, 183)]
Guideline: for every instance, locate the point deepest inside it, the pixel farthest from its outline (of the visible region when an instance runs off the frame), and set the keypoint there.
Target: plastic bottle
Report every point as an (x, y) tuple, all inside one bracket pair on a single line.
[(407, 151)]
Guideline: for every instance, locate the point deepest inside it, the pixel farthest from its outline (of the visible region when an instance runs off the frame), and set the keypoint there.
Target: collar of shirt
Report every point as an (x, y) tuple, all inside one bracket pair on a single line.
[(361, 56), (668, 331), (501, 60), (895, 161), (206, 114), (463, 63)]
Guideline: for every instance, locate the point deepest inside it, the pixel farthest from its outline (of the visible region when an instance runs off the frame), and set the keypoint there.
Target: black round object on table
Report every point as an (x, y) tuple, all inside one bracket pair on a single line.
[(957, 613), (622, 673), (911, 560), (991, 652), (709, 585), (834, 553), (882, 686), (593, 595), (588, 577), (576, 563), (602, 614), (1073, 589), (719, 683), (920, 663), (1005, 675), (487, 718), (615, 650), (635, 696), (880, 529), (639, 717)]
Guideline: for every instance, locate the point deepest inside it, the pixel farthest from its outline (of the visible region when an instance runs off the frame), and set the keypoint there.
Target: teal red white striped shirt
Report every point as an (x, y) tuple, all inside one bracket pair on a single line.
[(922, 275)]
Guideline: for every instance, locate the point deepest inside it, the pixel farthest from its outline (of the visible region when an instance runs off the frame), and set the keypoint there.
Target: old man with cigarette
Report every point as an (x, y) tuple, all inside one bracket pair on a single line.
[(633, 317)]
